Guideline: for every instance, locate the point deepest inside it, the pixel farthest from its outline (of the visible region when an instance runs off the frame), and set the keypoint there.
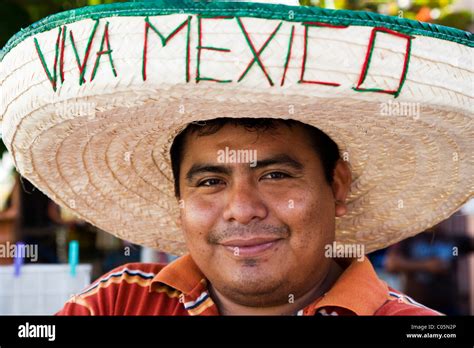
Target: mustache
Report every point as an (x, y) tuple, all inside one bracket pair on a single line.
[(248, 231)]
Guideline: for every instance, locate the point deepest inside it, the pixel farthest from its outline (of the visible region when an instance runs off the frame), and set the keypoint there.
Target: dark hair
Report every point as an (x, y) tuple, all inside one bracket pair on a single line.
[(326, 149)]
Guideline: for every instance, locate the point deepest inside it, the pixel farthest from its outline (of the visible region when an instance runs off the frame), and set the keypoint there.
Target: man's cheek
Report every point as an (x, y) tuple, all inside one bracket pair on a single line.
[(285, 205), (309, 221), (198, 217), (296, 210), (197, 209)]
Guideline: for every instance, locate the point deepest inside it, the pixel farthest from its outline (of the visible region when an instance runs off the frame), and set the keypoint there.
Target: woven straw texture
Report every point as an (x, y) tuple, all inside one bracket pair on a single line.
[(101, 148)]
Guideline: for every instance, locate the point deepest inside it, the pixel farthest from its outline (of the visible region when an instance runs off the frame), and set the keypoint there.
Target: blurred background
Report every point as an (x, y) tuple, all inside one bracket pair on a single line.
[(436, 267)]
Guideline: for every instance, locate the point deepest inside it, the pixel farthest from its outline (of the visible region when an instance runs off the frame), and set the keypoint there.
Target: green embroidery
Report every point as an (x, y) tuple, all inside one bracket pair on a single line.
[(82, 67), (255, 54), (288, 54), (213, 80), (255, 10), (213, 48), (52, 78), (61, 58), (368, 60), (405, 72), (188, 42), (199, 47), (105, 36), (164, 41), (307, 25)]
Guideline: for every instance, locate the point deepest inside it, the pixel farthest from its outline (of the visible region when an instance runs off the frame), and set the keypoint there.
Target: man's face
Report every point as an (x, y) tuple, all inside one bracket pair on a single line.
[(257, 232)]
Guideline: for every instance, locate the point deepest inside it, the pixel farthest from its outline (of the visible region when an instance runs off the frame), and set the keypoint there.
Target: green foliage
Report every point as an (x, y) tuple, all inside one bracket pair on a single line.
[(460, 20)]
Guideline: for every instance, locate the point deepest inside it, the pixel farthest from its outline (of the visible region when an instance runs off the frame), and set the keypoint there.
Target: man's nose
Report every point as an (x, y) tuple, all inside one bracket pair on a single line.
[(244, 203)]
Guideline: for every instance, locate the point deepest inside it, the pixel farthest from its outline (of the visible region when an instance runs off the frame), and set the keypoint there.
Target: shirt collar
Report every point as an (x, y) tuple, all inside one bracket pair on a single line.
[(182, 274), (357, 289)]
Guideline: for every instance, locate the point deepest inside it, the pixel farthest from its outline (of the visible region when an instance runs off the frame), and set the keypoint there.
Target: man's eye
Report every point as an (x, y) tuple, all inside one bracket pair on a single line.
[(210, 182), (276, 175)]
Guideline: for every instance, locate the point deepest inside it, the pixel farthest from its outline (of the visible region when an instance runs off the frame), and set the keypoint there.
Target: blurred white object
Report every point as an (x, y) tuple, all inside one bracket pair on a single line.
[(40, 289), (148, 255), (7, 179), (468, 208)]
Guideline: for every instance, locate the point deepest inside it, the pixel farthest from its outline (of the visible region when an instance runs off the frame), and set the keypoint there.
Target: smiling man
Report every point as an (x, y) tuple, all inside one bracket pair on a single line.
[(256, 234), (258, 142)]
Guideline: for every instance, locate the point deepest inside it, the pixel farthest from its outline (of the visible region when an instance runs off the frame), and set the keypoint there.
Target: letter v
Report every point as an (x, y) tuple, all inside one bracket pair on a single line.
[(82, 66), (52, 77)]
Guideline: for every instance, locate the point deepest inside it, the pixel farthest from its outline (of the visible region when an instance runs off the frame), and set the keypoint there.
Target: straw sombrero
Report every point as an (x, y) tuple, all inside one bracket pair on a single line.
[(92, 99)]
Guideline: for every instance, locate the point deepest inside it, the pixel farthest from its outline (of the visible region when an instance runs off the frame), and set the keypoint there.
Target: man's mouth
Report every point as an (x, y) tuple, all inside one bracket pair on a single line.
[(251, 247)]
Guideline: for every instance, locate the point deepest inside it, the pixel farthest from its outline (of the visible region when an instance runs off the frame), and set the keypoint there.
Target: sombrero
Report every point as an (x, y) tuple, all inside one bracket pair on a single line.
[(92, 99)]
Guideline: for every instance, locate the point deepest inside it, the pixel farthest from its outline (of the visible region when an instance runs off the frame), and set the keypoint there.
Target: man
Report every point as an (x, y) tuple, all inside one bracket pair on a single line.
[(270, 147), (256, 234)]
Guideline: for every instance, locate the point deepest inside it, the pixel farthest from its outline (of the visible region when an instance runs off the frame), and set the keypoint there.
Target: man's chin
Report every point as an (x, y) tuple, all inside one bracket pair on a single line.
[(251, 275), (256, 292), (256, 269)]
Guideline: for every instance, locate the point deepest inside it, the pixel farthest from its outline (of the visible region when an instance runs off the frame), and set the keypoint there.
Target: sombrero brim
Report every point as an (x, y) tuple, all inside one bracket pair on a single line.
[(93, 98)]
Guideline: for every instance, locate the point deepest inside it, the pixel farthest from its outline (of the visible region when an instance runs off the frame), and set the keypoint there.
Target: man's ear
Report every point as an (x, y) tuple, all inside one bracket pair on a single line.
[(341, 185)]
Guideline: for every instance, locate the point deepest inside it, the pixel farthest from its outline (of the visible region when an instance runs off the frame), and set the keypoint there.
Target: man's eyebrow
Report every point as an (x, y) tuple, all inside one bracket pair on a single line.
[(206, 168), (281, 159)]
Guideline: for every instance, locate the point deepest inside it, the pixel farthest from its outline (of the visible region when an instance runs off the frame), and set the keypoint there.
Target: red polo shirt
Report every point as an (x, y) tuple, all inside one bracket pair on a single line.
[(180, 288)]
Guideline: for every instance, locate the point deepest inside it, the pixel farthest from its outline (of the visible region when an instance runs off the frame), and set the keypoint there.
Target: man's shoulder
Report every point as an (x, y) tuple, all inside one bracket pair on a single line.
[(399, 303), (120, 290), (130, 273), (144, 270)]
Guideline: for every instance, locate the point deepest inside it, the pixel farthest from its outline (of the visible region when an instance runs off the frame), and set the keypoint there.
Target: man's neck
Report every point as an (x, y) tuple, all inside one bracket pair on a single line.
[(228, 307)]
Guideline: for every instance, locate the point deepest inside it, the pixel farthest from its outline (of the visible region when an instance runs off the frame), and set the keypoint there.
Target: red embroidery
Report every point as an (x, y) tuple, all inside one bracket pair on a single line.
[(288, 57), (61, 59), (188, 50), (51, 77), (368, 57), (52, 71), (256, 53), (201, 47), (305, 52), (82, 66), (164, 40), (108, 51)]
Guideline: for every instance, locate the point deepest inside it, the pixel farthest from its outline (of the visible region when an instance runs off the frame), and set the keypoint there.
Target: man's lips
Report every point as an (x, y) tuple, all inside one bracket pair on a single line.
[(249, 242), (250, 247)]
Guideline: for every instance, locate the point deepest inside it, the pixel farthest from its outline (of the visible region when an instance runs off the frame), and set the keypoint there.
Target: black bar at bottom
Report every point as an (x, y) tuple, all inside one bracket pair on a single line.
[(430, 331)]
